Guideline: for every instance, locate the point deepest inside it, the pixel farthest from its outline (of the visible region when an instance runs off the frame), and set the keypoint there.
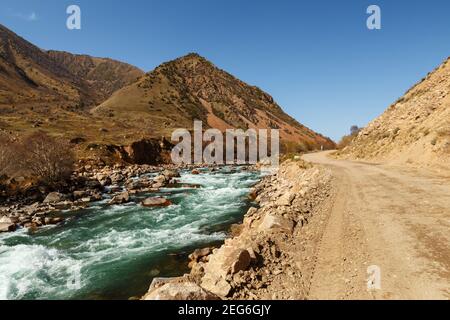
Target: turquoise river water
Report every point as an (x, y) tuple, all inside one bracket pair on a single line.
[(113, 252)]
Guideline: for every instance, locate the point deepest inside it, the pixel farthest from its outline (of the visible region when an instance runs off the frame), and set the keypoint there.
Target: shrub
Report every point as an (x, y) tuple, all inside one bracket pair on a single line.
[(347, 140), (290, 147), (47, 159)]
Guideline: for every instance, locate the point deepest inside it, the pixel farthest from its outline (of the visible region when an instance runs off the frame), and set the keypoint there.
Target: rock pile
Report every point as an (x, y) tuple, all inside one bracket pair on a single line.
[(261, 256)]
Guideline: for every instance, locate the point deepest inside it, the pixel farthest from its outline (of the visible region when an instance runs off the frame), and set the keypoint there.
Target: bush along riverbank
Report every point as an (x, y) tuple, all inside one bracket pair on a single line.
[(269, 255)]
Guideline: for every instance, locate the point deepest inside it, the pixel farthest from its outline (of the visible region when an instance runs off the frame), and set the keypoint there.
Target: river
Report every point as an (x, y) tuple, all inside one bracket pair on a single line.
[(114, 252)]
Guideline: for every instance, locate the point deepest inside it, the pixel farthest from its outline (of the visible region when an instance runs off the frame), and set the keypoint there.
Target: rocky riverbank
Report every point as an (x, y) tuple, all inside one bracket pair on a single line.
[(269, 255), (88, 184)]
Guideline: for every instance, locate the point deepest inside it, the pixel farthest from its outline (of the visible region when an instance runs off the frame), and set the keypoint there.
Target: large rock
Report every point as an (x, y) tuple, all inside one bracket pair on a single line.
[(156, 202), (7, 227), (54, 220), (227, 260), (54, 197), (238, 260), (160, 179), (6, 220), (169, 174), (78, 194), (216, 285), (199, 254), (176, 290), (271, 223), (122, 198), (286, 199)]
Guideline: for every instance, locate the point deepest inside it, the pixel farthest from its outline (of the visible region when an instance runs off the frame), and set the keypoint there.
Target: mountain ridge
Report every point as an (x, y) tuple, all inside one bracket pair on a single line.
[(191, 87), (100, 101)]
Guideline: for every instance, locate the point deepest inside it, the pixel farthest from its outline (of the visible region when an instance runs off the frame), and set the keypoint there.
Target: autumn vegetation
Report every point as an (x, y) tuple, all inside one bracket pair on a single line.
[(46, 160)]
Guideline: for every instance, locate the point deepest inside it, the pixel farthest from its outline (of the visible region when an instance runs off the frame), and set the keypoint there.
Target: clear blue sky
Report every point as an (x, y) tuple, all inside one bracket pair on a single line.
[(317, 58)]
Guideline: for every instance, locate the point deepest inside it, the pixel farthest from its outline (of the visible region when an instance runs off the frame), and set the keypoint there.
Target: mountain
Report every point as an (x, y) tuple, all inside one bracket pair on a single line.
[(103, 75), (99, 102), (188, 88), (29, 76), (415, 130), (32, 77)]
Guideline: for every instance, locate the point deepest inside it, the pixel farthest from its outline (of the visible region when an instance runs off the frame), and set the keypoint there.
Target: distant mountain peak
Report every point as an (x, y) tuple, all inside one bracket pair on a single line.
[(191, 87)]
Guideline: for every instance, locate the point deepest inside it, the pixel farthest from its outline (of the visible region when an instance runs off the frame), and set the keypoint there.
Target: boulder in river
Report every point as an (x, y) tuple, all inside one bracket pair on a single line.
[(169, 174), (195, 172), (54, 220), (121, 198), (156, 202)]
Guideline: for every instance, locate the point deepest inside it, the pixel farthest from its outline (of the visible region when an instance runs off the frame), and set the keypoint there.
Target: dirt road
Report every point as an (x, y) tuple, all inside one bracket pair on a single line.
[(395, 219)]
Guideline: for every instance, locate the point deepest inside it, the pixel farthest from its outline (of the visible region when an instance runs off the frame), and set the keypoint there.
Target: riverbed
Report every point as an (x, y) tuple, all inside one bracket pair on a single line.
[(114, 252)]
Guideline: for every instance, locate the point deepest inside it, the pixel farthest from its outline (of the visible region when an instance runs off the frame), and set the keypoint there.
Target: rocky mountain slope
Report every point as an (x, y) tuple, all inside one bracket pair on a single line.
[(415, 130), (103, 75), (180, 91), (99, 103), (29, 76), (33, 77)]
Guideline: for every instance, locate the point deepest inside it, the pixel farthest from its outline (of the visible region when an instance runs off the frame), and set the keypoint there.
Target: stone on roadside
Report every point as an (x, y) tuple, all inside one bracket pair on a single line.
[(271, 222), (239, 260), (225, 261), (286, 199), (216, 285), (180, 291), (200, 253)]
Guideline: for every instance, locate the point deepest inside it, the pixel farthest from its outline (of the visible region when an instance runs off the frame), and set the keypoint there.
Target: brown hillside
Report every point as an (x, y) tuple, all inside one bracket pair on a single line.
[(28, 76), (415, 130), (104, 75), (58, 92), (53, 91), (32, 77), (189, 88)]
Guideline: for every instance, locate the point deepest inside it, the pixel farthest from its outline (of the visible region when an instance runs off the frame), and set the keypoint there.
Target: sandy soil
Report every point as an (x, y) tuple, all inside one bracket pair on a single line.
[(394, 218)]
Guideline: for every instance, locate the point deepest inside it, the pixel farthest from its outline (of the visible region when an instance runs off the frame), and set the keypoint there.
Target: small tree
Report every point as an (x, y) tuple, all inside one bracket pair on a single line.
[(347, 140), (47, 159), (354, 130)]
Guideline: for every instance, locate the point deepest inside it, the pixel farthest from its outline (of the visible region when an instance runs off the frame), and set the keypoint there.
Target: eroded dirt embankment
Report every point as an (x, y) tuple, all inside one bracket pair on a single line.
[(272, 253)]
